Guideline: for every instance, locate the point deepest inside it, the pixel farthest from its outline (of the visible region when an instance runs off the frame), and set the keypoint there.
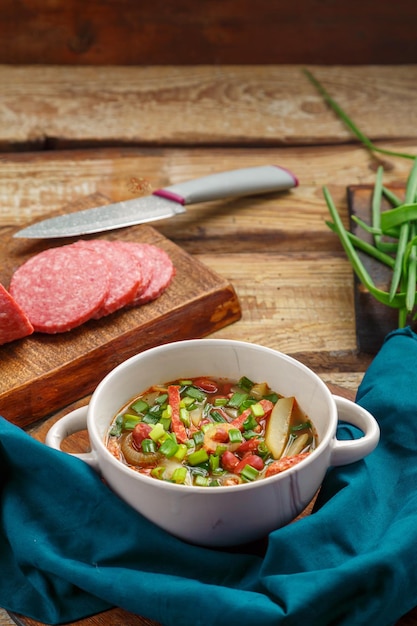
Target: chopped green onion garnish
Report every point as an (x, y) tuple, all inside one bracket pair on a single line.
[(263, 449), (249, 473), (301, 426), (167, 412), (245, 383), (207, 408), (272, 397), (247, 404), (156, 409), (181, 453), (214, 462), (140, 406), (150, 419), (166, 422), (237, 398), (116, 429), (179, 475), (198, 437), (169, 447), (220, 401), (257, 409), (161, 399), (184, 416), (197, 394), (148, 445), (201, 481), (130, 421), (157, 432), (158, 472), (217, 417), (250, 423), (235, 436), (220, 449), (250, 434), (197, 457)]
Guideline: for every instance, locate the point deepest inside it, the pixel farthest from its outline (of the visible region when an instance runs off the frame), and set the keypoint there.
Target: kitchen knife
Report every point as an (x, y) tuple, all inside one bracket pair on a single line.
[(163, 203)]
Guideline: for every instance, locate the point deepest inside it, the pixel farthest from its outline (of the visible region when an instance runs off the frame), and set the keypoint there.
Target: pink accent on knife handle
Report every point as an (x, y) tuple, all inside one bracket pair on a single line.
[(296, 181), (169, 195)]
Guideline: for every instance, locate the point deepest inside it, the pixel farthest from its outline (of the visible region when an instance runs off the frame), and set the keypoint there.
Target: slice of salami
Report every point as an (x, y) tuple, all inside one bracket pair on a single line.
[(125, 273), (61, 288), (14, 323), (163, 272), (143, 256)]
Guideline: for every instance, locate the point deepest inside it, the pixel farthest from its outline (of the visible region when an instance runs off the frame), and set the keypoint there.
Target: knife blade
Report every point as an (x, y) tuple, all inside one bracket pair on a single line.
[(163, 203)]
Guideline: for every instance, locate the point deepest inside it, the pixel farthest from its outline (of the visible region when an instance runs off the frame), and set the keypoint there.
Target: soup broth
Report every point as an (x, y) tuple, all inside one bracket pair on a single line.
[(211, 432)]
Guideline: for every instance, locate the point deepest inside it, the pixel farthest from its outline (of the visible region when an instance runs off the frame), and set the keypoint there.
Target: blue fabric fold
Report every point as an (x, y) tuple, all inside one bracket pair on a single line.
[(70, 548)]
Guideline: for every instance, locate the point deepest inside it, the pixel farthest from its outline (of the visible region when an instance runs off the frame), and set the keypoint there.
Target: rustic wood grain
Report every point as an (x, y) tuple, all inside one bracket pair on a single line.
[(187, 32), (168, 124), (113, 617), (33, 184), (55, 107), (300, 300), (282, 298)]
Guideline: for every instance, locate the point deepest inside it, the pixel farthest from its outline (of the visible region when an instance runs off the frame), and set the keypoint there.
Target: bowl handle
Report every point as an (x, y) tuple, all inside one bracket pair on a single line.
[(73, 422), (352, 450)]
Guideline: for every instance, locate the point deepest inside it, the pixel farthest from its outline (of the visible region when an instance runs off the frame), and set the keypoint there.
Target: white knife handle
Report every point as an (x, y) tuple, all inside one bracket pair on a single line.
[(243, 182)]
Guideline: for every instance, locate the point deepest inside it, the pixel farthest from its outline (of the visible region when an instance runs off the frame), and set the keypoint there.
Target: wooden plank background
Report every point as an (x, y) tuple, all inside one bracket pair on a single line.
[(167, 124), (50, 108), (67, 132), (186, 32)]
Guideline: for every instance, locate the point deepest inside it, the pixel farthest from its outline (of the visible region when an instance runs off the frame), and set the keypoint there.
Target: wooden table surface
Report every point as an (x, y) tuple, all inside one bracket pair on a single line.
[(69, 132)]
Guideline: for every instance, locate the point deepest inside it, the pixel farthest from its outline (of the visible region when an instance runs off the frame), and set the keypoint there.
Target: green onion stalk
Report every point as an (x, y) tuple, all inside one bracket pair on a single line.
[(393, 231)]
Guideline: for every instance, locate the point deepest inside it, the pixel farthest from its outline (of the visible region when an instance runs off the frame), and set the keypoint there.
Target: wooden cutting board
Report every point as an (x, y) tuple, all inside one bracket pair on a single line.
[(43, 373), (373, 319)]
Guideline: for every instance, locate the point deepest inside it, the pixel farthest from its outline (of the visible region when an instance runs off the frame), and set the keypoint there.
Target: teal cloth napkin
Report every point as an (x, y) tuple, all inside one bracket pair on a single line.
[(70, 548)]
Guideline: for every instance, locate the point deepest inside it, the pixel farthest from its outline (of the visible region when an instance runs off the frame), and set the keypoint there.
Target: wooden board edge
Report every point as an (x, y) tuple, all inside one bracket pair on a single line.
[(194, 319)]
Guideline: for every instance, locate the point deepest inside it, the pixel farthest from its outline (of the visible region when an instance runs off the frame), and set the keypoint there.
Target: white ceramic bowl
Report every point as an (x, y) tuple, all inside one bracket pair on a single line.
[(220, 516)]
